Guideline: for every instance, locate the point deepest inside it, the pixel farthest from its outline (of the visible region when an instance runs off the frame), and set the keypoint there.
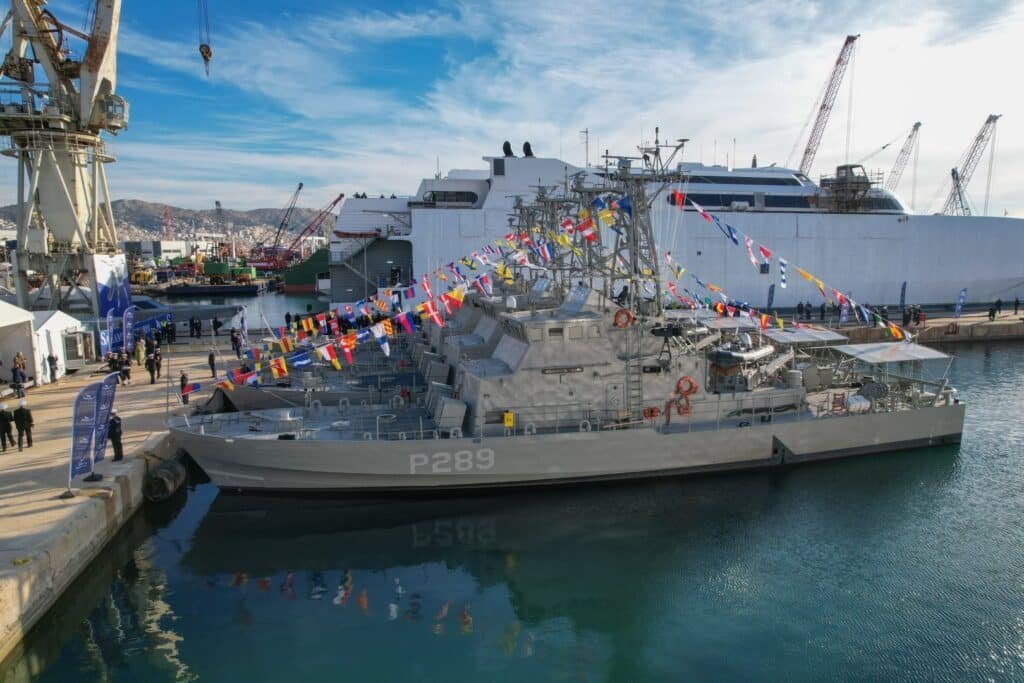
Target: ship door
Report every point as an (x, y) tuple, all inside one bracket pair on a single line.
[(614, 402)]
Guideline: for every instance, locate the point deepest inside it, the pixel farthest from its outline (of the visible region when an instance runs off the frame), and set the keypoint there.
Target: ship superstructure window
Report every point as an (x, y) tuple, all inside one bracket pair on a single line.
[(576, 332), (556, 333), (454, 197), (499, 166), (742, 180)]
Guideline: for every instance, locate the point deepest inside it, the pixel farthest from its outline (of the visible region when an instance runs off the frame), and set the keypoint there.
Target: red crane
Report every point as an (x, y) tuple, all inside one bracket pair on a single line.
[(827, 100), (284, 257)]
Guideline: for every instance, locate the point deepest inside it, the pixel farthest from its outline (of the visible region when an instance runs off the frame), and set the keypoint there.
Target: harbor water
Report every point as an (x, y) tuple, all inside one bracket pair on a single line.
[(902, 566)]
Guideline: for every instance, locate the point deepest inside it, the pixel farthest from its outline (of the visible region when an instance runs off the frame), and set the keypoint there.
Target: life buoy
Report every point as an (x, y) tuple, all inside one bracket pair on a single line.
[(685, 388), (651, 412), (623, 318)]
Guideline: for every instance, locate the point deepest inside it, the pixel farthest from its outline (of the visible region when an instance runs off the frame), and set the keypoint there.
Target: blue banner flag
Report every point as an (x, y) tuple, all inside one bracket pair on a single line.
[(105, 403), (771, 297), (83, 427), (106, 336), (301, 360), (127, 320), (960, 303)]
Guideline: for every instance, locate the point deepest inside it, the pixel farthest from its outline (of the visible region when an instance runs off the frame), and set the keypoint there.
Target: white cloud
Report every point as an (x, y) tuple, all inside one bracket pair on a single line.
[(711, 72)]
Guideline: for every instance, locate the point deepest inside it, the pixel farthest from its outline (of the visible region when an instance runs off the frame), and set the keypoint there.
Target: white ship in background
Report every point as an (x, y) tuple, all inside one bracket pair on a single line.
[(846, 228)]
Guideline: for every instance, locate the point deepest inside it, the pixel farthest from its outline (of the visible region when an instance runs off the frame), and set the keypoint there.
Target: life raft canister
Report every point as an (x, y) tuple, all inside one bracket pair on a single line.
[(623, 318)]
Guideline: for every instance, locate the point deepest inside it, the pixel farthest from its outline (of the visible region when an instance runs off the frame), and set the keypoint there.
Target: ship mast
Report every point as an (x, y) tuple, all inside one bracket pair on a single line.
[(640, 180)]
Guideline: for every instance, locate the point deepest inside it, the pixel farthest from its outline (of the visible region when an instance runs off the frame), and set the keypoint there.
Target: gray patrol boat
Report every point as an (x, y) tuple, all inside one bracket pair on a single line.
[(584, 386)]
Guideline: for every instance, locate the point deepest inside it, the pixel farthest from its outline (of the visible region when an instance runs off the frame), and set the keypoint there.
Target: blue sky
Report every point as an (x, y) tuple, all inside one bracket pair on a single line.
[(369, 97)]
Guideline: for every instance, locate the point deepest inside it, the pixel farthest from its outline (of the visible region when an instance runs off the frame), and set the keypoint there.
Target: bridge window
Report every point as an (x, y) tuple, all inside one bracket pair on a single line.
[(443, 197)]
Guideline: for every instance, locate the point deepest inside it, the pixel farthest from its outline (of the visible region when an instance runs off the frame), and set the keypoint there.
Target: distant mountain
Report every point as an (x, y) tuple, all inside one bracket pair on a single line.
[(149, 217)]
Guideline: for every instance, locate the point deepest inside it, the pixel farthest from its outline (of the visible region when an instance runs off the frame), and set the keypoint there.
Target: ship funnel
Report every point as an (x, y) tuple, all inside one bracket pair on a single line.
[(507, 149), (527, 150)]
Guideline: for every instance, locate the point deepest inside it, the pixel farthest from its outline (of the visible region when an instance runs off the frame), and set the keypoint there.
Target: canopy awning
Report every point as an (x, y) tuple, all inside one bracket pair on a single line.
[(803, 335), (889, 352)]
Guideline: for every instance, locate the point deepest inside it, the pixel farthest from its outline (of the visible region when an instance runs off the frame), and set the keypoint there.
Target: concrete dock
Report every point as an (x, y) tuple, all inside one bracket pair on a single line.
[(46, 541)]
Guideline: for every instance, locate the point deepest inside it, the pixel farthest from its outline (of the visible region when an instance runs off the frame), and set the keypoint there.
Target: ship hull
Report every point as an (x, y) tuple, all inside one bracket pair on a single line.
[(323, 465)]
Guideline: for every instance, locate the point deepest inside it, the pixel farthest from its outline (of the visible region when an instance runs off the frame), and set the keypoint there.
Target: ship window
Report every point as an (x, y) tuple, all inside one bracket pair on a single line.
[(742, 180), (556, 333), (450, 197), (576, 332), (781, 201), (499, 167)]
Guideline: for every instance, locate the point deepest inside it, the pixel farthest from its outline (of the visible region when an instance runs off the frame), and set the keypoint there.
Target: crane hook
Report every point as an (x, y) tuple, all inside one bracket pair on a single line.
[(207, 54)]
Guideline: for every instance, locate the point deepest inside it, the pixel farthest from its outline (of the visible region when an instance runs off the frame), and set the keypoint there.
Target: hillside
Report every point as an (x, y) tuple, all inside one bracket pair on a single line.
[(137, 219)]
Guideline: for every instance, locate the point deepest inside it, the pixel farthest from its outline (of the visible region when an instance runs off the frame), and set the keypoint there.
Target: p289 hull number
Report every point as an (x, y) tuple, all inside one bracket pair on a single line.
[(448, 463)]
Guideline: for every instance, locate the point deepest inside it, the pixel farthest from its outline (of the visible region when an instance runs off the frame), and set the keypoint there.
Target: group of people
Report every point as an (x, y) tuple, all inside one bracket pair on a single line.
[(21, 419), (805, 311), (997, 308), (914, 314)]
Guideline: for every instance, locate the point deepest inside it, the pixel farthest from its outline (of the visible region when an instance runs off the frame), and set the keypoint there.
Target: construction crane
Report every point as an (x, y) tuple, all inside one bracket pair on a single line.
[(283, 227), (284, 258), (956, 203), (168, 228), (902, 158), (828, 99)]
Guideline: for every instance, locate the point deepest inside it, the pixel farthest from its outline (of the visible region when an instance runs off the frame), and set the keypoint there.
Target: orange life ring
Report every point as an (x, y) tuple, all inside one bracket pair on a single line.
[(685, 388), (651, 412), (623, 318)]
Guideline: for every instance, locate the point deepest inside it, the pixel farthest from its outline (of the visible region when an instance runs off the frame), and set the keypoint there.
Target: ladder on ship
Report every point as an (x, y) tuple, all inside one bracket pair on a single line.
[(634, 371)]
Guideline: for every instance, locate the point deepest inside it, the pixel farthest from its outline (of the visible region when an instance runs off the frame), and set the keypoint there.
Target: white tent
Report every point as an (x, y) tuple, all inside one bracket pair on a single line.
[(16, 335), (58, 333)]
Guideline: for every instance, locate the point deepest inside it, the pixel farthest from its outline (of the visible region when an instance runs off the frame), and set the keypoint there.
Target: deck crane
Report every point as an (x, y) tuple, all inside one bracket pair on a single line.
[(285, 219), (956, 203), (828, 99), (902, 158), (282, 260)]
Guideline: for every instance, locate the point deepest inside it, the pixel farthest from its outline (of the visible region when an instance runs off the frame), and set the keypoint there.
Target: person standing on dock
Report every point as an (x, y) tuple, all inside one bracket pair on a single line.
[(151, 368), (212, 360), (184, 383), (288, 320), (114, 431), (216, 325), (23, 421), (18, 381), (158, 360), (6, 429), (1016, 305), (51, 363)]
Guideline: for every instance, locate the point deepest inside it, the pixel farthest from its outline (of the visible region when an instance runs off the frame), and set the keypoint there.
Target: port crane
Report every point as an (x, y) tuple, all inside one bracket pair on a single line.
[(956, 203), (893, 179), (283, 259), (828, 99), (259, 251), (57, 98)]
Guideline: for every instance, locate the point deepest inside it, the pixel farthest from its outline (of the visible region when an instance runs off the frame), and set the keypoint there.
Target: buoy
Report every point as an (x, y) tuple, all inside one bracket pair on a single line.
[(623, 318)]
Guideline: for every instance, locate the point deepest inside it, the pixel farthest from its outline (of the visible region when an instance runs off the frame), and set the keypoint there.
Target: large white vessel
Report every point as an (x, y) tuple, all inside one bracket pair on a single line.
[(845, 228)]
